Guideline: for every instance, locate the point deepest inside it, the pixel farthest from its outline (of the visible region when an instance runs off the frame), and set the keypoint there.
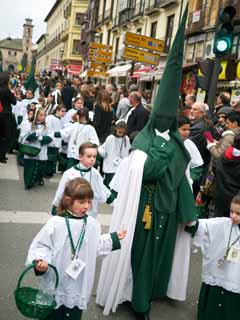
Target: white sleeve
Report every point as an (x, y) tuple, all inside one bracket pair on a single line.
[(105, 245), (66, 132), (102, 192), (93, 136), (196, 158), (102, 149), (60, 189), (201, 237), (42, 245)]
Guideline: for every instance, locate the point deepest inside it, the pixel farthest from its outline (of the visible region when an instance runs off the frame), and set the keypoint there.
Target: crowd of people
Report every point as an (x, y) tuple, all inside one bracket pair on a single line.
[(170, 173)]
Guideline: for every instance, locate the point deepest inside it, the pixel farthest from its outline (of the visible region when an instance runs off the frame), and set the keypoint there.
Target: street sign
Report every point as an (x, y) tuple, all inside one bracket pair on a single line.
[(100, 52), (100, 59), (96, 45), (140, 55), (97, 74), (138, 40), (98, 66)]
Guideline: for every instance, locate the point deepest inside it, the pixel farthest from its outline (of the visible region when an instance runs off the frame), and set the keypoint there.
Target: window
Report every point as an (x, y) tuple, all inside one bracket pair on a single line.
[(169, 31), (15, 53), (139, 30), (101, 38), (9, 53), (108, 37), (116, 49), (153, 29), (79, 18), (76, 47)]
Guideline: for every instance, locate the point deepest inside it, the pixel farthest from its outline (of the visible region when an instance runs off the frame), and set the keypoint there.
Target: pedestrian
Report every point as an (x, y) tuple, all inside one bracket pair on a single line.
[(67, 94), (49, 104), (219, 241), (113, 150), (154, 203), (71, 241), (34, 133), (85, 169), (77, 134), (54, 123), (77, 105), (7, 99)]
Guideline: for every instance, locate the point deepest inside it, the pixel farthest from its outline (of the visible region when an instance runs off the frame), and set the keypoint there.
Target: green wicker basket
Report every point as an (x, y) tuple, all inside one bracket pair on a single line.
[(26, 298)]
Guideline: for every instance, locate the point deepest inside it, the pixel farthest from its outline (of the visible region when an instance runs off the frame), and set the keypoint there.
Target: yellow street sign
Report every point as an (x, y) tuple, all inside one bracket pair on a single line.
[(96, 45), (140, 55), (100, 52), (138, 40), (97, 74), (99, 59), (98, 66)]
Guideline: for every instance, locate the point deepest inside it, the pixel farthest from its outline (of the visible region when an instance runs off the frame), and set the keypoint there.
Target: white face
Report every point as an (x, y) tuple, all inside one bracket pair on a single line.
[(235, 213)]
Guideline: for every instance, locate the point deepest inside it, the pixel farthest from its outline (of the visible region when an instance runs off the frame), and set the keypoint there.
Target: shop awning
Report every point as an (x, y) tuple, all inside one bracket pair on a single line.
[(119, 71), (137, 73), (74, 68)]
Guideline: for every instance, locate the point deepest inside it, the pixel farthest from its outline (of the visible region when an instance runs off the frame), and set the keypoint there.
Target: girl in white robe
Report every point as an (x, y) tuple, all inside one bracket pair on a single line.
[(71, 242)]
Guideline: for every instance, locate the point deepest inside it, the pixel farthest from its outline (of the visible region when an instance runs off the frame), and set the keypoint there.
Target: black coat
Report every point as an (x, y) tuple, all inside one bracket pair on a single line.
[(137, 119), (67, 95), (7, 98), (102, 122), (227, 184)]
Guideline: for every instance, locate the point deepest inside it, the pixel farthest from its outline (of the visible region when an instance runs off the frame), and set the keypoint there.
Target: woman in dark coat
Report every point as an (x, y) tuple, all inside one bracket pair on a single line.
[(227, 178), (103, 115), (7, 98)]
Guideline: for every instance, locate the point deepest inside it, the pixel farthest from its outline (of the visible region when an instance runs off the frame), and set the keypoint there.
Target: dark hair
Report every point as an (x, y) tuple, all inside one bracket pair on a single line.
[(225, 98), (83, 113), (192, 98), (86, 145), (76, 189), (236, 141), (182, 120), (234, 117), (4, 79), (78, 98), (236, 199)]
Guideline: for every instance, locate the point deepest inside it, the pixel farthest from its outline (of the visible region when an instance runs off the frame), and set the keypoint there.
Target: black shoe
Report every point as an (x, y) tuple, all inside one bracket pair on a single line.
[(3, 160)]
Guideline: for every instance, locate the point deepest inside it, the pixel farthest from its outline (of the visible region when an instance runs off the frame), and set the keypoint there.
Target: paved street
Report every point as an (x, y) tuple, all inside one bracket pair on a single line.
[(22, 214)]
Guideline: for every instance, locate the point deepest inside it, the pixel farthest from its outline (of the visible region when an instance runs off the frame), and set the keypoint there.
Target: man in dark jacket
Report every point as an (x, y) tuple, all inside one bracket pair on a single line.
[(137, 116), (67, 94)]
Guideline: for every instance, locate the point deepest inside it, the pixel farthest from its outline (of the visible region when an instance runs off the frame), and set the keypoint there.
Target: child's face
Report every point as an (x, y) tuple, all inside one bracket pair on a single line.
[(61, 113), (78, 104), (41, 117), (88, 159), (80, 207), (235, 213), (120, 132), (184, 131)]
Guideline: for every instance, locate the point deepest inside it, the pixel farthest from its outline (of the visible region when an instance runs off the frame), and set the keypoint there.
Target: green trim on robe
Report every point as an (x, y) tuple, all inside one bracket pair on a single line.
[(116, 245), (62, 162), (45, 140), (218, 303), (54, 210), (33, 172), (71, 162), (108, 178), (172, 202), (63, 313)]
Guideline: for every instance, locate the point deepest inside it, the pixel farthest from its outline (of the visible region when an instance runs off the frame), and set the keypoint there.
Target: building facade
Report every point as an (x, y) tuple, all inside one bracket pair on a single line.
[(58, 48), (16, 54)]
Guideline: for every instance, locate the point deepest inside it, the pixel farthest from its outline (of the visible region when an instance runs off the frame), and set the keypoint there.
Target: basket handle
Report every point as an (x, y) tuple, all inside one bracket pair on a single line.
[(31, 266)]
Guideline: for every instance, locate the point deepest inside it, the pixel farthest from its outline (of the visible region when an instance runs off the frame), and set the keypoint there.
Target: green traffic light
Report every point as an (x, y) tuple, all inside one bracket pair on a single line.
[(223, 45)]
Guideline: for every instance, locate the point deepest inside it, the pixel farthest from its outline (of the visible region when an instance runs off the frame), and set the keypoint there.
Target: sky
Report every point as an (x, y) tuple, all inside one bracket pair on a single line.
[(14, 12)]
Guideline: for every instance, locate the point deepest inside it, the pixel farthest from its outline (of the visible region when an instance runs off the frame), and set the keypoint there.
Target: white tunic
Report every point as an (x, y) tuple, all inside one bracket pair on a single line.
[(69, 114), (212, 237), (26, 130), (54, 124), (77, 134), (52, 245), (196, 158), (113, 150), (101, 192)]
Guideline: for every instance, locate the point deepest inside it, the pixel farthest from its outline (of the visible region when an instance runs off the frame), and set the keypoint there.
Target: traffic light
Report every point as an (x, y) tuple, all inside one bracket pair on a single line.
[(224, 32), (205, 69)]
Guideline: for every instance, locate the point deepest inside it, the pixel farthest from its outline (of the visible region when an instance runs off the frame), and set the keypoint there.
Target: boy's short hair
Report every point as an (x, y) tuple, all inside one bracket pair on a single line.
[(236, 199), (86, 145), (234, 116), (182, 120)]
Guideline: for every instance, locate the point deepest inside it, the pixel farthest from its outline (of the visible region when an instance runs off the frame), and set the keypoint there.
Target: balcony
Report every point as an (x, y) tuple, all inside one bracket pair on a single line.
[(164, 4), (64, 34), (99, 21), (107, 16), (197, 20), (152, 7), (137, 12)]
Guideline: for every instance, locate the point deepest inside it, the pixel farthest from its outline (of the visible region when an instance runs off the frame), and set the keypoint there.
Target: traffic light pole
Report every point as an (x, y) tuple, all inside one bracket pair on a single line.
[(213, 84)]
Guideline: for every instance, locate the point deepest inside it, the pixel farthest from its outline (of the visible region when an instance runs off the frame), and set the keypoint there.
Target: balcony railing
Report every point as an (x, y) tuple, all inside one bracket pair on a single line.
[(197, 20), (137, 11), (107, 15), (155, 5), (99, 20)]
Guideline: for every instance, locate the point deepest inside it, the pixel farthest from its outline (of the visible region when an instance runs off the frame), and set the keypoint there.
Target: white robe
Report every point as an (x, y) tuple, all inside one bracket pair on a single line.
[(113, 150), (101, 192), (52, 245), (54, 124), (115, 281), (196, 158)]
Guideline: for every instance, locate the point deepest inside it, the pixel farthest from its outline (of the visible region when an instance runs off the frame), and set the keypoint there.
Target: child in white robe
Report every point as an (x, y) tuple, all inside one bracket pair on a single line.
[(77, 105), (113, 150), (72, 239), (54, 124), (85, 169), (219, 240), (77, 134)]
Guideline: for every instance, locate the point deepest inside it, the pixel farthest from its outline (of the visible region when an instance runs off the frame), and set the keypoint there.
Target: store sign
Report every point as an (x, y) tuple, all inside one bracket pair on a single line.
[(138, 40), (196, 16), (97, 74), (140, 55)]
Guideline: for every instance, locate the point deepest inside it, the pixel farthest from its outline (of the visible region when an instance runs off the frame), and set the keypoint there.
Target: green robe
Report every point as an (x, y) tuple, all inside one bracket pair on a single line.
[(171, 203)]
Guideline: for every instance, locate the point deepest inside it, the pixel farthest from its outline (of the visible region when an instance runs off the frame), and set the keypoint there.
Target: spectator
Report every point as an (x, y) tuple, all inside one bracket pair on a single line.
[(223, 100), (189, 100), (221, 120), (67, 94), (123, 106), (235, 104)]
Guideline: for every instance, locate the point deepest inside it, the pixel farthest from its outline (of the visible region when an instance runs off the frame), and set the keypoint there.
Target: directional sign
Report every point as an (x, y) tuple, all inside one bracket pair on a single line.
[(140, 55), (97, 74), (100, 52), (96, 45), (138, 40), (99, 59), (98, 66)]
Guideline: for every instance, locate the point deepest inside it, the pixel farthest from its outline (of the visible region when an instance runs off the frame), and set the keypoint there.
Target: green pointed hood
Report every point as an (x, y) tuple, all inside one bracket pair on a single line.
[(30, 83), (164, 113)]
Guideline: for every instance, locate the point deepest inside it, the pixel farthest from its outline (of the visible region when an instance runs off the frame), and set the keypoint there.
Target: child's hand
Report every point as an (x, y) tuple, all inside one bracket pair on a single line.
[(41, 265), (122, 234)]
